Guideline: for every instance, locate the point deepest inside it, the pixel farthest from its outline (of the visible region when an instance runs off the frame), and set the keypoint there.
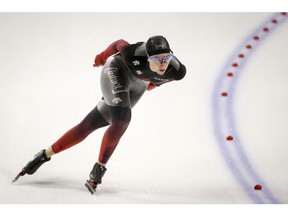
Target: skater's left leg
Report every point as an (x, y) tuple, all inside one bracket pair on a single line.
[(121, 117), (120, 94)]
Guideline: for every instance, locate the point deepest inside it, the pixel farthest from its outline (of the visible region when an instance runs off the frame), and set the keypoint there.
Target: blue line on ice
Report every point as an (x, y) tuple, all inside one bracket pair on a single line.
[(223, 117)]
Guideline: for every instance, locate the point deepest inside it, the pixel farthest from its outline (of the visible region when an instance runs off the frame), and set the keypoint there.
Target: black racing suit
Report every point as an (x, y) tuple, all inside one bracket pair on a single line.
[(124, 79)]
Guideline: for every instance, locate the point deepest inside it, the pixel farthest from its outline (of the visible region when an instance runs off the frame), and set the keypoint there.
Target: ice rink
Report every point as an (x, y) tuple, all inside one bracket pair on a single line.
[(175, 150)]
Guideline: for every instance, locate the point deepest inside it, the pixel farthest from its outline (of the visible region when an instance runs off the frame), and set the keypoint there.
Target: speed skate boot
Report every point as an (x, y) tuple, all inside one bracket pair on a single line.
[(96, 175), (33, 165)]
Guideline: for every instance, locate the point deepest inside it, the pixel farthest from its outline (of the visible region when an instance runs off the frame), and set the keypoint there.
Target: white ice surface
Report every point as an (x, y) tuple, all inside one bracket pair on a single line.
[(169, 153)]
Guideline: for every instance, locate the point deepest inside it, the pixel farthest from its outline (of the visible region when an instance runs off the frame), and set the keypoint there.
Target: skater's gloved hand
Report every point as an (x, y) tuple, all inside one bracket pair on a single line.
[(99, 60)]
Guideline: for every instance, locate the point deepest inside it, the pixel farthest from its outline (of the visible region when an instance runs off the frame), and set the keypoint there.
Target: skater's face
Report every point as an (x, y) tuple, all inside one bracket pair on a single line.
[(160, 62)]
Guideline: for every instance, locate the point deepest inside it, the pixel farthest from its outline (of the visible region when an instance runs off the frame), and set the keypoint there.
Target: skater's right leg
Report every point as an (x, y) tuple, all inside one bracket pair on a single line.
[(94, 120), (33, 165), (49, 152), (97, 118), (90, 123)]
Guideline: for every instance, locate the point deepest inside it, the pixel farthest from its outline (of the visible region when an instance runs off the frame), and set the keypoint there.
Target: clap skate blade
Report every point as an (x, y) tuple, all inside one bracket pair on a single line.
[(91, 186), (22, 173)]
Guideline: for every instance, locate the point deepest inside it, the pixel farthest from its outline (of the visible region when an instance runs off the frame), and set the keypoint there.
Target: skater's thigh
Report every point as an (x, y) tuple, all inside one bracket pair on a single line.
[(104, 110)]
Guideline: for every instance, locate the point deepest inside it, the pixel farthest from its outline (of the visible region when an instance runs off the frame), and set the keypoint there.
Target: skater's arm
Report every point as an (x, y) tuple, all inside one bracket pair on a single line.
[(113, 48)]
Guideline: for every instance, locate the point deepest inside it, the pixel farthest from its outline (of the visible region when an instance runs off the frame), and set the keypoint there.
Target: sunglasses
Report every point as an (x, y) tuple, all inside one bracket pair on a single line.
[(161, 59)]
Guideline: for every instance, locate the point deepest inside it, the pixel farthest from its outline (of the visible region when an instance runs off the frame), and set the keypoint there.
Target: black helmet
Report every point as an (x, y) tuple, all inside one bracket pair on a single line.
[(156, 45)]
